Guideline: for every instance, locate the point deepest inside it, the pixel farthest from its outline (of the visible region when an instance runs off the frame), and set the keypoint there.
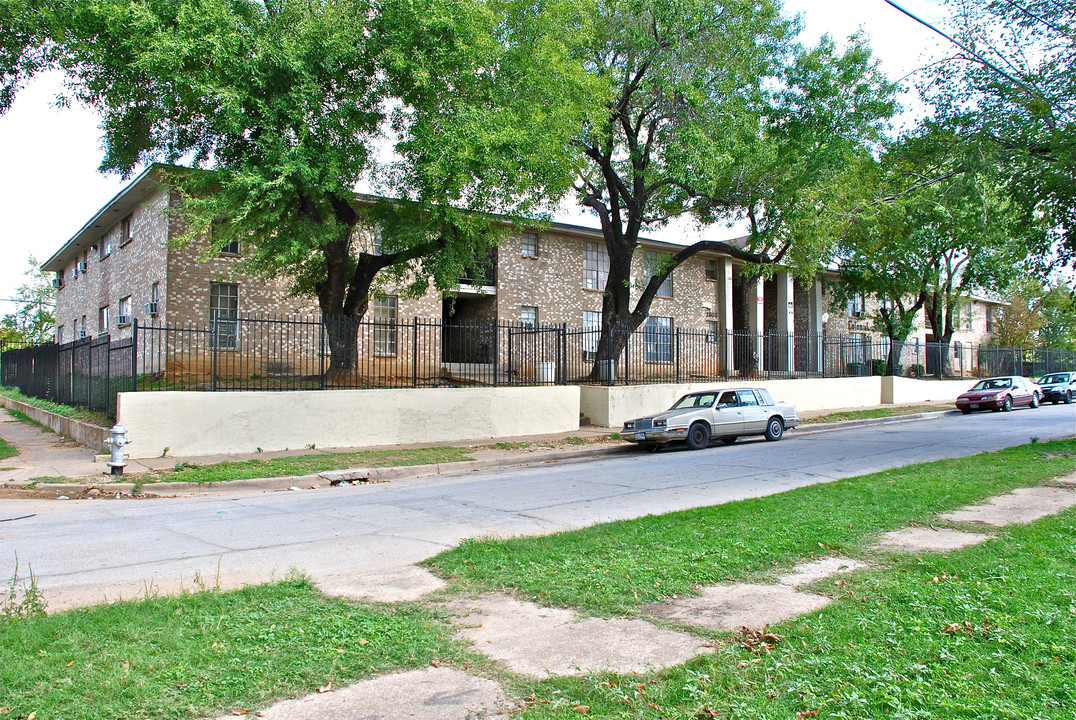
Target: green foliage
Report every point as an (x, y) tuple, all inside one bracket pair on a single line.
[(33, 321), (7, 449), (23, 598), (70, 411)]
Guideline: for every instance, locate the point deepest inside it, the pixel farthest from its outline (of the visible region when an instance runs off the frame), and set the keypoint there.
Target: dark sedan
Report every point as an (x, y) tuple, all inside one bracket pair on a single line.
[(1058, 387), (1000, 393)]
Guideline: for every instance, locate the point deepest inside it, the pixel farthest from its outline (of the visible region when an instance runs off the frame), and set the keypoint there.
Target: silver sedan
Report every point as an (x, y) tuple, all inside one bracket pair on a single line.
[(698, 418)]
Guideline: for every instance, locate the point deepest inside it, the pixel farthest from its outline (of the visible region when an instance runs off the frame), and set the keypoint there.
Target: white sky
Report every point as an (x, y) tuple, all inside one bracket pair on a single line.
[(50, 187)]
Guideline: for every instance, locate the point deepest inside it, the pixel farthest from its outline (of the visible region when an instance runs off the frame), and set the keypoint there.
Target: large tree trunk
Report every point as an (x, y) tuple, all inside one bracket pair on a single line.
[(745, 347)]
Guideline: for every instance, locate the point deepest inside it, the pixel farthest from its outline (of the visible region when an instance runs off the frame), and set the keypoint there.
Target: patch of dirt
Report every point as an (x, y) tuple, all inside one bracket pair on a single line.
[(732, 607), (392, 585), (434, 694), (930, 539), (809, 572), (44, 492), (541, 642), (1022, 505)]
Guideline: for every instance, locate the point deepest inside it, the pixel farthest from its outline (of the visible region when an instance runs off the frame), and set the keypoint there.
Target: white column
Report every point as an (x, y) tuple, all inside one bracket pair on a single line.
[(724, 308), (755, 320), (786, 320)]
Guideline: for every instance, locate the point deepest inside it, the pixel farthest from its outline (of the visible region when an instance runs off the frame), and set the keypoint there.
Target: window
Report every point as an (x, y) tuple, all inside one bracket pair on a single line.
[(711, 269), (595, 266), (855, 305), (383, 315), (990, 319), (231, 248), (126, 231), (60, 335), (747, 397), (654, 264), (967, 317), (124, 316), (592, 328), (224, 314), (102, 319), (528, 316), (74, 329), (529, 244), (711, 331), (658, 339), (104, 247)]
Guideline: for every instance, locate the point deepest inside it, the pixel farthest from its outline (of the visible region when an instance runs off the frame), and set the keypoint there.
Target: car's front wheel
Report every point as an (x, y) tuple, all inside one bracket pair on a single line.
[(775, 428), (965, 411), (1034, 400), (1068, 397), (1006, 404), (698, 436)]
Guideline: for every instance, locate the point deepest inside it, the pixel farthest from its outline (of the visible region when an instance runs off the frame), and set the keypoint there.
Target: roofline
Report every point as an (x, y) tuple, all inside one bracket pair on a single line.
[(54, 264)]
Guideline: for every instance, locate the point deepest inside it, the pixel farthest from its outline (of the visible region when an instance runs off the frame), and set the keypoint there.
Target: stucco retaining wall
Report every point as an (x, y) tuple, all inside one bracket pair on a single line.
[(91, 436), (611, 406), (197, 423), (897, 390)]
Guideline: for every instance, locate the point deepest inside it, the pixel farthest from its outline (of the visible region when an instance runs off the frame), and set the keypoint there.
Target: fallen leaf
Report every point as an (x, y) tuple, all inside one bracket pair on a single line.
[(240, 713), (70, 664), (807, 714), (32, 715), (261, 713), (581, 709), (325, 688), (363, 641)]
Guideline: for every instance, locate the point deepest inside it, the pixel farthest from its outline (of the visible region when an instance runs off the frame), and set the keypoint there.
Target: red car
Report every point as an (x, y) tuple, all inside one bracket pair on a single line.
[(1000, 393)]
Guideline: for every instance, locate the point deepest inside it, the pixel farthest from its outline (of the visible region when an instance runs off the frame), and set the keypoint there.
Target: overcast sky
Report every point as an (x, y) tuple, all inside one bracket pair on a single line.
[(50, 187)]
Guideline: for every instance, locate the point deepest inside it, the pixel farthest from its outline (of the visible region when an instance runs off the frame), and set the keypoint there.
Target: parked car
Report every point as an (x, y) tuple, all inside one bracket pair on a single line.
[(698, 418), (1058, 387), (1000, 393)]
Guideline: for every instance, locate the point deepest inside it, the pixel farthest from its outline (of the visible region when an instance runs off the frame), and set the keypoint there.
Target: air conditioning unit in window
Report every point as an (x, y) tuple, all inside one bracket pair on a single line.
[(590, 355), (80, 334), (80, 267), (123, 320), (150, 309), (57, 283)]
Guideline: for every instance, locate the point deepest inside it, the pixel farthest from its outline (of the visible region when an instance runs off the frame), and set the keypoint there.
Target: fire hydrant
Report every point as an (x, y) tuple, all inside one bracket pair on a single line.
[(117, 439)]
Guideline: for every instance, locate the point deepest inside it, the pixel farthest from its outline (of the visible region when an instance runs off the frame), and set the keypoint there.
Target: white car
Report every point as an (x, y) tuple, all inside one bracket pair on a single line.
[(698, 418)]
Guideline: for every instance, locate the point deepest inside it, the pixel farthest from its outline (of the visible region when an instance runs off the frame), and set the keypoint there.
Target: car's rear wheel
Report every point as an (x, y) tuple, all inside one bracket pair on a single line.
[(775, 428), (698, 436), (730, 440), (1006, 404)]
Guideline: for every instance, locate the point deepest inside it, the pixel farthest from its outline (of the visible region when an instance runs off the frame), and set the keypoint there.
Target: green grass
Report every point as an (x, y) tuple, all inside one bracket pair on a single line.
[(612, 568), (7, 450), (301, 465), (204, 654), (70, 411), (873, 413)]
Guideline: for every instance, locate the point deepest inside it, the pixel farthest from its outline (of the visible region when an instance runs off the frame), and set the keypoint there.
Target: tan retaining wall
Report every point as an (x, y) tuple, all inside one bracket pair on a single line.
[(898, 390), (91, 436), (197, 423)]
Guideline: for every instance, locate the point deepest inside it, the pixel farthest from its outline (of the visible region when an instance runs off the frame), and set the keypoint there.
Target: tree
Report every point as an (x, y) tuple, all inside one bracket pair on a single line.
[(711, 112), (33, 321), (291, 103), (1010, 88), (1037, 315)]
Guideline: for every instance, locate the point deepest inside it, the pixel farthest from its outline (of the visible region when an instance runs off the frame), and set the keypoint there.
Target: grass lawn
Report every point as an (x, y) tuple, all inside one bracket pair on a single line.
[(301, 465), (71, 411), (985, 632), (7, 450), (873, 413)]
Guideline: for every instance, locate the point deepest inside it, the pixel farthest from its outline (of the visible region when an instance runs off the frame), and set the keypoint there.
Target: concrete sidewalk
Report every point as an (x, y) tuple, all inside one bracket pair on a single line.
[(71, 468)]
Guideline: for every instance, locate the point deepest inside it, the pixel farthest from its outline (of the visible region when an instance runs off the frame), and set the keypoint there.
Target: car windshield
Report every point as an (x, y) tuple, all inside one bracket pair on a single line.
[(1052, 379), (695, 401), (993, 384)]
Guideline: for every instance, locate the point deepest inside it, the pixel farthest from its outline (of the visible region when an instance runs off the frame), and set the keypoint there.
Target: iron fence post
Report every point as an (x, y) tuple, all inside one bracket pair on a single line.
[(321, 353), (677, 354), (134, 355), (215, 339), (414, 351)]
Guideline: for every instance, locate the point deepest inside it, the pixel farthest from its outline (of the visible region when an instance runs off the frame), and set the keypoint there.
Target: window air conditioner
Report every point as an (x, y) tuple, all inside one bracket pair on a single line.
[(80, 334), (57, 283), (123, 320), (150, 309), (590, 355), (80, 267)]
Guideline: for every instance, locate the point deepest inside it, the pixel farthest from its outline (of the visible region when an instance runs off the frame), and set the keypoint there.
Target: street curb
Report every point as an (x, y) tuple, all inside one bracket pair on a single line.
[(365, 476)]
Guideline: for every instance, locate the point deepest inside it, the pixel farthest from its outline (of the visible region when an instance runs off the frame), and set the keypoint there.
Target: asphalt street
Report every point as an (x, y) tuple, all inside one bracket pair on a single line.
[(92, 550)]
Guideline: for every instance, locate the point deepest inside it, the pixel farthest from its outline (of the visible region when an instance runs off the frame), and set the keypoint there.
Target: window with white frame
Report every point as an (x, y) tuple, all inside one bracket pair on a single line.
[(654, 264), (855, 305), (529, 244), (658, 339), (224, 314), (102, 319), (126, 231), (990, 319), (383, 315), (967, 317), (592, 329), (711, 331), (595, 266), (528, 316), (60, 335), (124, 316), (104, 247), (711, 269)]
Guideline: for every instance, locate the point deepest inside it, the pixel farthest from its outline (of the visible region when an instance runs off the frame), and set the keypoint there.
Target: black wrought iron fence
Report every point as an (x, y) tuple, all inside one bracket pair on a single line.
[(289, 353)]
